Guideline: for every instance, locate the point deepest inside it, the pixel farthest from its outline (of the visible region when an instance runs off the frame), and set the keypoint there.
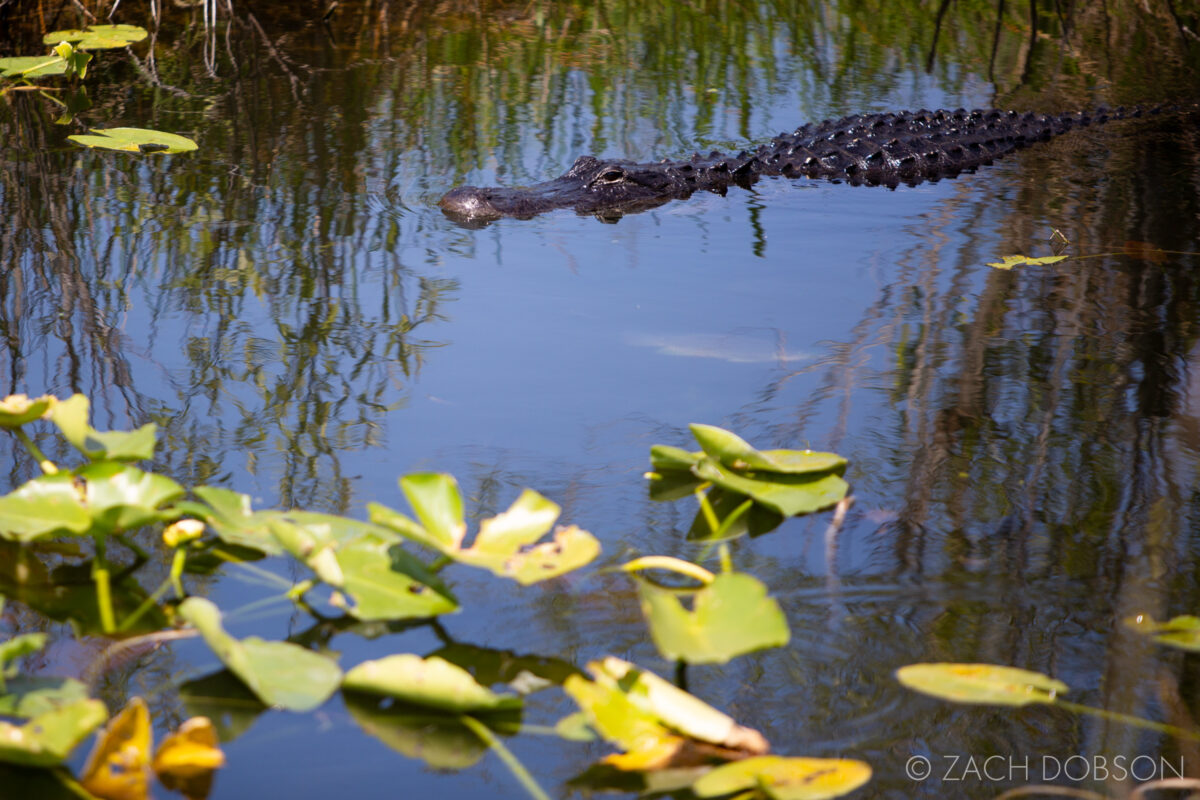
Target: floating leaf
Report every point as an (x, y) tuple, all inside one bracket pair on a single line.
[(187, 758), (503, 544), (18, 409), (1181, 632), (120, 497), (281, 674), (20, 646), (135, 140), (436, 500), (29, 696), (736, 453), (47, 739), (430, 682), (1008, 262), (654, 722), (789, 494), (985, 684), (32, 66), (98, 37), (731, 616), (71, 417), (228, 513), (783, 778), (47, 505), (117, 767), (385, 582)]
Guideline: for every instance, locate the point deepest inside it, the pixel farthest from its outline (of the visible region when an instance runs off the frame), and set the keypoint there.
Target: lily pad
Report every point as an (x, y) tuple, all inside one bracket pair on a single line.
[(1181, 632), (47, 739), (736, 453), (983, 684), (32, 66), (280, 674), (654, 722), (98, 37), (120, 497), (71, 417), (789, 494), (18, 409), (135, 140), (430, 682), (29, 696), (229, 514), (51, 504), (730, 617), (385, 582), (783, 778), (505, 543)]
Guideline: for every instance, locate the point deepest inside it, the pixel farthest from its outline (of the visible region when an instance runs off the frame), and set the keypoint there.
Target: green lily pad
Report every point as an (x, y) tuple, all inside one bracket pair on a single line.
[(731, 616), (120, 497), (505, 543), (32, 66), (229, 514), (28, 696), (438, 504), (135, 140), (281, 674), (1182, 632), (650, 718), (430, 682), (98, 37), (365, 562), (789, 494), (51, 504), (17, 409), (665, 457), (781, 778), (47, 739), (71, 417), (736, 453), (983, 684)]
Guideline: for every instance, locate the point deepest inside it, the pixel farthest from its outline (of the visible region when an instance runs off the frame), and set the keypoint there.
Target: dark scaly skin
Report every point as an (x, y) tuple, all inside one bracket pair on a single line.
[(871, 149)]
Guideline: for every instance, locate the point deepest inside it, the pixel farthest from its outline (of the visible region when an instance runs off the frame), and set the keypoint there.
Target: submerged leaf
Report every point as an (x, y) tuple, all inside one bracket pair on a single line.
[(117, 767), (430, 682), (730, 617), (280, 674), (783, 778), (985, 684)]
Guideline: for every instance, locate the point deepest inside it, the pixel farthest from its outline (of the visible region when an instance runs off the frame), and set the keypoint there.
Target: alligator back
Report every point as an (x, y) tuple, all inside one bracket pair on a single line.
[(911, 146)]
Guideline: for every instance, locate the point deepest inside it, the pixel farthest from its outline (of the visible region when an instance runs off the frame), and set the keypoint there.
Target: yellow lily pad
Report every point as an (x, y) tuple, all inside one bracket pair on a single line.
[(782, 778), (982, 684)]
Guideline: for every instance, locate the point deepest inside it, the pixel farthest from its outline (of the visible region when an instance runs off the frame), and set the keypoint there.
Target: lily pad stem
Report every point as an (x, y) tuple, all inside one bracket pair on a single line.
[(515, 767), (46, 464), (1128, 719), (103, 591)]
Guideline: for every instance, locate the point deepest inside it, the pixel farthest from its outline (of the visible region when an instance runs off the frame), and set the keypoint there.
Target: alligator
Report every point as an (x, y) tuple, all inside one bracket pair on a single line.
[(868, 149)]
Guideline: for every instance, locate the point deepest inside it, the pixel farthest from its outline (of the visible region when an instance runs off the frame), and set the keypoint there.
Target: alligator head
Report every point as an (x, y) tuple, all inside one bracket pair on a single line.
[(608, 189)]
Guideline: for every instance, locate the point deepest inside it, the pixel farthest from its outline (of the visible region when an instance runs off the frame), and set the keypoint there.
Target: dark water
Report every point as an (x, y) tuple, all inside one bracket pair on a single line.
[(304, 324)]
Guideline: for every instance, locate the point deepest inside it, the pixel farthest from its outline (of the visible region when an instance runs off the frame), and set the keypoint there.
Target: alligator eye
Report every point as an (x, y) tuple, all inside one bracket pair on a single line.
[(611, 175)]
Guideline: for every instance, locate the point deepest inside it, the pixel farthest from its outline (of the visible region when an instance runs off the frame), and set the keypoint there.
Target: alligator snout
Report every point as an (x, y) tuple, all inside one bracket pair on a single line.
[(469, 204)]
